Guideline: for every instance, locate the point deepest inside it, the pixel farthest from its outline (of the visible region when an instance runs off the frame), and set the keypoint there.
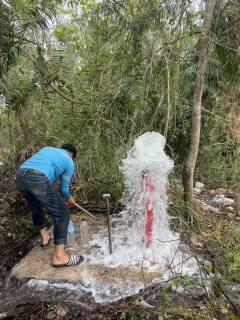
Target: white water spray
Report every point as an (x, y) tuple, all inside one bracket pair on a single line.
[(146, 155)]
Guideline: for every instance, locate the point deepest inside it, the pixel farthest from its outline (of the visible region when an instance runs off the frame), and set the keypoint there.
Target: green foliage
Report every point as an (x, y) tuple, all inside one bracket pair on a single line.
[(186, 217), (229, 257), (218, 164), (18, 19), (107, 85)]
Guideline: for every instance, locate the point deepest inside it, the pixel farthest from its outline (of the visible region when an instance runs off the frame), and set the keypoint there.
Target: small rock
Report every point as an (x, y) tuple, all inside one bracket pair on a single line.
[(199, 185), (197, 191), (227, 201), (62, 312), (143, 303), (195, 241), (184, 248), (216, 201), (212, 209), (189, 290), (230, 209)]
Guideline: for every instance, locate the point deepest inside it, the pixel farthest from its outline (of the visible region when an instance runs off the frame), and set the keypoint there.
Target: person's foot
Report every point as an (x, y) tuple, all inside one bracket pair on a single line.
[(61, 259), (45, 240), (73, 261)]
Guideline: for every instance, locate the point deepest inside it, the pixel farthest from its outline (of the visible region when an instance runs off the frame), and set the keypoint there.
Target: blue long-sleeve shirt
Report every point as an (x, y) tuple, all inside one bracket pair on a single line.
[(53, 163)]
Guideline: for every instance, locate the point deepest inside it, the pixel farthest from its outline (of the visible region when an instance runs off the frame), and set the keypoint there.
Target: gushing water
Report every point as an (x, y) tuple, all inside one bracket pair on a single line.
[(145, 172), (145, 158)]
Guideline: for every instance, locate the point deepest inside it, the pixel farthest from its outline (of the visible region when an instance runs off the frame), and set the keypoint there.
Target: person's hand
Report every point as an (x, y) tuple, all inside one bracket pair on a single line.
[(71, 200)]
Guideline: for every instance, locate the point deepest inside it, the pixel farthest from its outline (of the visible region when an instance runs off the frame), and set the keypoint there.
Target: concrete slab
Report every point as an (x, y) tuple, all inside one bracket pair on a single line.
[(37, 264)]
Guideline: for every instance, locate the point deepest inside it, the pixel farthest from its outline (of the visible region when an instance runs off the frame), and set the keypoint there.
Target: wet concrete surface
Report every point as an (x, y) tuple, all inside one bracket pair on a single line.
[(37, 264)]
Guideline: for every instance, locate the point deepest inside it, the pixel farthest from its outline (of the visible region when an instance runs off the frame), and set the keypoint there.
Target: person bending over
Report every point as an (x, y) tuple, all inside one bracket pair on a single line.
[(34, 179)]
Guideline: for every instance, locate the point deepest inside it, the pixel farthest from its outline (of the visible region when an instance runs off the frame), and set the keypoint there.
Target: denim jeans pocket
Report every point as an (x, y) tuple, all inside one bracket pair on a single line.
[(38, 189)]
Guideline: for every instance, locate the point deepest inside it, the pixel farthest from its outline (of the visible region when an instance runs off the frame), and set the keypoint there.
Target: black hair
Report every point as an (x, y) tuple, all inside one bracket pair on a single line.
[(69, 147)]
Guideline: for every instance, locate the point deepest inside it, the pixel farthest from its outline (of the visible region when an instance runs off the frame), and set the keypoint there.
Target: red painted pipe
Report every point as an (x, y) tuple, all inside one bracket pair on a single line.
[(148, 189)]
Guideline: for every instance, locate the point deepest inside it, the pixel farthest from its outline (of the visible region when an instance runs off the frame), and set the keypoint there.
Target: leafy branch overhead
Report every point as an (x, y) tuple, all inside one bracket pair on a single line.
[(20, 24)]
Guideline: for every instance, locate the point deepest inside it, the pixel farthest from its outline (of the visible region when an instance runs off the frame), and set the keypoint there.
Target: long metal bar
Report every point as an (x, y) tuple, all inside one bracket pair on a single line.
[(77, 205), (107, 197), (109, 228)]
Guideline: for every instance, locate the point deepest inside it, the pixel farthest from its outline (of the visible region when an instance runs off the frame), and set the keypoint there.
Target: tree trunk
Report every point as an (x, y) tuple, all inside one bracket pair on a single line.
[(189, 166)]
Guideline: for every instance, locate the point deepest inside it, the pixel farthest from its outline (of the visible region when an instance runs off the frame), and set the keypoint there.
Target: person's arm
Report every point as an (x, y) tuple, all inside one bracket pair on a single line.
[(64, 184)]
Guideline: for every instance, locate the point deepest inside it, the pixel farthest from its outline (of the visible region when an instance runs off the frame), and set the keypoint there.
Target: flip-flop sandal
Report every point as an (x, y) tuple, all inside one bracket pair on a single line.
[(73, 261), (45, 245)]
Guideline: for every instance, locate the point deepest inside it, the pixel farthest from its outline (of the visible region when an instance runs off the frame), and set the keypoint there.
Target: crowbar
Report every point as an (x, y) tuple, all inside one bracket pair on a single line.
[(77, 205)]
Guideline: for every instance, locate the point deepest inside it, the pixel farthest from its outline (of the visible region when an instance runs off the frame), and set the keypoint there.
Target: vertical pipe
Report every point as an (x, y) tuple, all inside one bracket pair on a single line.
[(147, 208), (107, 196)]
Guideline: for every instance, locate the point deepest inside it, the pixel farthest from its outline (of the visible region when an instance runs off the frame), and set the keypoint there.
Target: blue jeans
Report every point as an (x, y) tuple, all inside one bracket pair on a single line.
[(39, 193)]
